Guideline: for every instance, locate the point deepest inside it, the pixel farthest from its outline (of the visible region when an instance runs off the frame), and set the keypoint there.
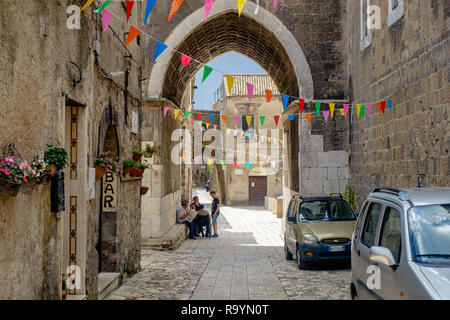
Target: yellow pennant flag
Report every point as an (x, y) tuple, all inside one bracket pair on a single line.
[(207, 125), (358, 109), (342, 112), (87, 4), (176, 113), (249, 120), (240, 4), (230, 83), (210, 161), (268, 139), (332, 106)]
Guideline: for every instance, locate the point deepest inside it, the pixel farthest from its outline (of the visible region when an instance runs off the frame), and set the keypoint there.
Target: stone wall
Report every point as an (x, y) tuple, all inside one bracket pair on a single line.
[(407, 62)]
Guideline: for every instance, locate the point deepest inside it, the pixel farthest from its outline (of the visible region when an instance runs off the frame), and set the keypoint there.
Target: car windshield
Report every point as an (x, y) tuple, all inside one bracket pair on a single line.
[(326, 210), (430, 233)]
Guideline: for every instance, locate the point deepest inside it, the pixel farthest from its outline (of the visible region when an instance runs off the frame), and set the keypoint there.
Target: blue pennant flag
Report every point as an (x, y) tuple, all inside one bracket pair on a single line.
[(160, 47), (248, 164), (212, 117), (148, 9), (292, 117), (390, 104), (285, 101)]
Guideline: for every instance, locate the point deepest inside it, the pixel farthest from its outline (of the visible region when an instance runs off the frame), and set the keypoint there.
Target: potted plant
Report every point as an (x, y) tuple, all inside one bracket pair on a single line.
[(137, 153), (128, 167), (144, 190), (56, 157), (104, 163), (140, 168), (64, 289), (149, 151), (40, 171), (13, 173)]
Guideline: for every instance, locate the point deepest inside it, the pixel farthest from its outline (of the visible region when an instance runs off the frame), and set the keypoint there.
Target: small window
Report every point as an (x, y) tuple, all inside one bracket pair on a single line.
[(360, 219), (396, 11), (391, 232), (366, 33), (370, 224), (289, 210)]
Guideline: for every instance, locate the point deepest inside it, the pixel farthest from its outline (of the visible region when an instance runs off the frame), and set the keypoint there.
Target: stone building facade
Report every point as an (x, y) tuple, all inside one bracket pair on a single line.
[(79, 89)]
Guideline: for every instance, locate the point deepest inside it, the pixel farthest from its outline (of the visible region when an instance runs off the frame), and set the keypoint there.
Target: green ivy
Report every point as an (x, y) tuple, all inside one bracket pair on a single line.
[(349, 195), (57, 156)]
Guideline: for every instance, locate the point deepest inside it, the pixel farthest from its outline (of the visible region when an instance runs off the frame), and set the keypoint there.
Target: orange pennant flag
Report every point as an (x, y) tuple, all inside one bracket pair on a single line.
[(224, 118), (132, 34), (268, 95), (175, 6), (308, 117)]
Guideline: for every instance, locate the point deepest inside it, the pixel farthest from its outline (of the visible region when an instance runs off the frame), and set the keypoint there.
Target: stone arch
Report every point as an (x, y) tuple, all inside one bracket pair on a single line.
[(269, 43)]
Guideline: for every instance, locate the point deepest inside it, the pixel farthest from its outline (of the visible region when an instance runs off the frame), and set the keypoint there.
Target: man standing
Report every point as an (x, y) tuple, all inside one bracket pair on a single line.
[(182, 217), (215, 211)]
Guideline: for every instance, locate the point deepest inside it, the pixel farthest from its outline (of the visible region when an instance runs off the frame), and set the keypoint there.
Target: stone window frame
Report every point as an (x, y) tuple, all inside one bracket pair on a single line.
[(365, 31), (397, 13)]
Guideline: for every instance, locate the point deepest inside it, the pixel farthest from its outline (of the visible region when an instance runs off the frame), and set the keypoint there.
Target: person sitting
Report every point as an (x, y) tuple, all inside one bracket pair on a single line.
[(202, 219), (184, 217)]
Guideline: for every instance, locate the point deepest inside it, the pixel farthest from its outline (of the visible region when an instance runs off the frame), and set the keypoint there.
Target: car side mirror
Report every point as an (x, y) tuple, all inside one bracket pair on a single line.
[(382, 255), (292, 219)]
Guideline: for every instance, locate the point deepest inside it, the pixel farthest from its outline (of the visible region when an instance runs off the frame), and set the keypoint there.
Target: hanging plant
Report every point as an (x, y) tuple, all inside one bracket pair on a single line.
[(56, 157), (137, 153), (40, 171), (13, 173), (105, 163), (128, 167), (149, 151)]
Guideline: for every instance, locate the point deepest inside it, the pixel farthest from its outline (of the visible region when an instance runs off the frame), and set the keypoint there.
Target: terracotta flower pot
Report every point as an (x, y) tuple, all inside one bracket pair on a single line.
[(128, 171), (99, 173), (53, 170), (149, 154), (9, 189), (139, 172), (137, 157), (64, 295), (144, 190)]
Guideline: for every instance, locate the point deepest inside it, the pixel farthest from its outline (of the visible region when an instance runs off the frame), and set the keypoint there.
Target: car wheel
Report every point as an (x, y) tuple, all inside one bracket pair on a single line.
[(288, 254), (300, 261), (354, 294)]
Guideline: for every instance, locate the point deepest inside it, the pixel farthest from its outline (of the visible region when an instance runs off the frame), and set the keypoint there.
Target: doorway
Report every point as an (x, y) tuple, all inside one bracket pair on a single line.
[(257, 190)]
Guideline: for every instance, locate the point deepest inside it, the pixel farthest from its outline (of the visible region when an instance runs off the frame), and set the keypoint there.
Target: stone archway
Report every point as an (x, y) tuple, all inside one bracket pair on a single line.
[(262, 37)]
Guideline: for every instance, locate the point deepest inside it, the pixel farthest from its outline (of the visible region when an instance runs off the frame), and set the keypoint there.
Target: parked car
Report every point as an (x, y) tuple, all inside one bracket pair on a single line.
[(318, 228), (405, 234)]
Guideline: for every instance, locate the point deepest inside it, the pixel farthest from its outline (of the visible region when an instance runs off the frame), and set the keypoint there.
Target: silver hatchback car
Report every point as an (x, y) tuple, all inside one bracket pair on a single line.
[(401, 245)]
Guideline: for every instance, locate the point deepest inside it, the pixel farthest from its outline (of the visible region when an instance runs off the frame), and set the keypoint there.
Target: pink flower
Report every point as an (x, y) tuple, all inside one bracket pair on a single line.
[(5, 171), (33, 172), (25, 178), (9, 160), (23, 165), (15, 179)]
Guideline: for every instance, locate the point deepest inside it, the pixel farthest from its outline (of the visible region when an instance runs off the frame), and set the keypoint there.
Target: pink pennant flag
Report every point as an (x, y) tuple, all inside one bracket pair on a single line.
[(326, 114), (208, 5), (185, 59), (165, 109), (215, 127), (346, 110), (369, 106), (106, 18), (250, 88), (236, 120), (273, 164), (197, 159), (275, 3), (193, 121)]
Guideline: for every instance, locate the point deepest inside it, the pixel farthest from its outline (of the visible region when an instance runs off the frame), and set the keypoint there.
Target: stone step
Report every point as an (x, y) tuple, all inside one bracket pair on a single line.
[(107, 282), (171, 240)]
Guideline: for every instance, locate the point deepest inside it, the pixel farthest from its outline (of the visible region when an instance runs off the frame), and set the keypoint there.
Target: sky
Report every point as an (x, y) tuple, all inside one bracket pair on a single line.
[(231, 63)]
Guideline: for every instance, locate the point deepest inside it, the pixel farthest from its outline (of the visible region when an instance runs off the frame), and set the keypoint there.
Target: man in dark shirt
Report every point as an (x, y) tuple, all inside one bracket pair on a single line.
[(215, 212), (202, 218)]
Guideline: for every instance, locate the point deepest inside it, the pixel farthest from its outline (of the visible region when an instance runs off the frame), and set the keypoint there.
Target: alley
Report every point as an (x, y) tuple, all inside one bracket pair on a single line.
[(245, 262)]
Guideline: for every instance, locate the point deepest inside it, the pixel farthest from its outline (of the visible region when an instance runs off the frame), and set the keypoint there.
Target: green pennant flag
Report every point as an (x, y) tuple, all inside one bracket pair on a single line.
[(223, 163), (363, 109), (262, 118), (206, 72), (103, 6), (186, 115), (318, 109)]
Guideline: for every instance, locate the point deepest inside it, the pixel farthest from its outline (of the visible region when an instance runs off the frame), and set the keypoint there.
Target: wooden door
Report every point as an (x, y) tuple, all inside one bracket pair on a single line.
[(257, 190)]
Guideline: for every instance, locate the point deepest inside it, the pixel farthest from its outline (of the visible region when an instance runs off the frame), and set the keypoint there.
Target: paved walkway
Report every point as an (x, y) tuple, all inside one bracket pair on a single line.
[(245, 262)]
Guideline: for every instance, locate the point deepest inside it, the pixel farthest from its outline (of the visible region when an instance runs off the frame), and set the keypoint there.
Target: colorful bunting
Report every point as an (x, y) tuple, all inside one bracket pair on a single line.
[(211, 115), (215, 127), (235, 164), (332, 106), (186, 114), (103, 6), (87, 4), (197, 159), (240, 4), (346, 110), (250, 88), (207, 125), (260, 163), (206, 72), (342, 112), (273, 163), (277, 118), (358, 110), (317, 108), (185, 60), (326, 114), (262, 118), (268, 95), (285, 101), (208, 5), (390, 104), (301, 105), (291, 117), (175, 6), (106, 19), (165, 111), (381, 106), (275, 3), (130, 5), (222, 162), (248, 164), (176, 112), (230, 83), (363, 109), (249, 120), (236, 120), (308, 117), (148, 9), (132, 34), (199, 116), (369, 108), (160, 47), (224, 118)]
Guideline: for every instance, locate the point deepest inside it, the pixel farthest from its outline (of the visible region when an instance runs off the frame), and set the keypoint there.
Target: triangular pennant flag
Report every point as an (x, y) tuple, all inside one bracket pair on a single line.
[(208, 5), (130, 5), (175, 6), (332, 107), (326, 114), (308, 117), (148, 9), (268, 95), (193, 121), (317, 103), (211, 115), (236, 120), (206, 72), (363, 109), (87, 4), (342, 112), (260, 163), (185, 60), (358, 110), (106, 19), (369, 108), (301, 105), (268, 139), (249, 120), (262, 118), (199, 116), (277, 118), (381, 106), (210, 161), (390, 104), (285, 101), (186, 115), (230, 83), (235, 164), (248, 164), (240, 4), (250, 89), (291, 117), (197, 159), (207, 125), (160, 47), (184, 156), (165, 111), (176, 112), (132, 34), (224, 118), (345, 110), (222, 162), (275, 3), (103, 6), (215, 127), (274, 163)]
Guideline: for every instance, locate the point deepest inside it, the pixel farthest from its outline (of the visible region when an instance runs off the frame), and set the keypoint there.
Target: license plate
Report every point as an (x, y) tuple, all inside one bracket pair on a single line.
[(336, 248)]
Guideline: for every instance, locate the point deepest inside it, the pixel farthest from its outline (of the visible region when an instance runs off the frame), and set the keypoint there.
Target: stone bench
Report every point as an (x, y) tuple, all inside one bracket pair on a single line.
[(171, 240), (275, 205)]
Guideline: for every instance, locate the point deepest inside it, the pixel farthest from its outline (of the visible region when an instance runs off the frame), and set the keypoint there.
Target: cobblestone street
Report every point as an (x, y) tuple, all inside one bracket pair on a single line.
[(246, 262)]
